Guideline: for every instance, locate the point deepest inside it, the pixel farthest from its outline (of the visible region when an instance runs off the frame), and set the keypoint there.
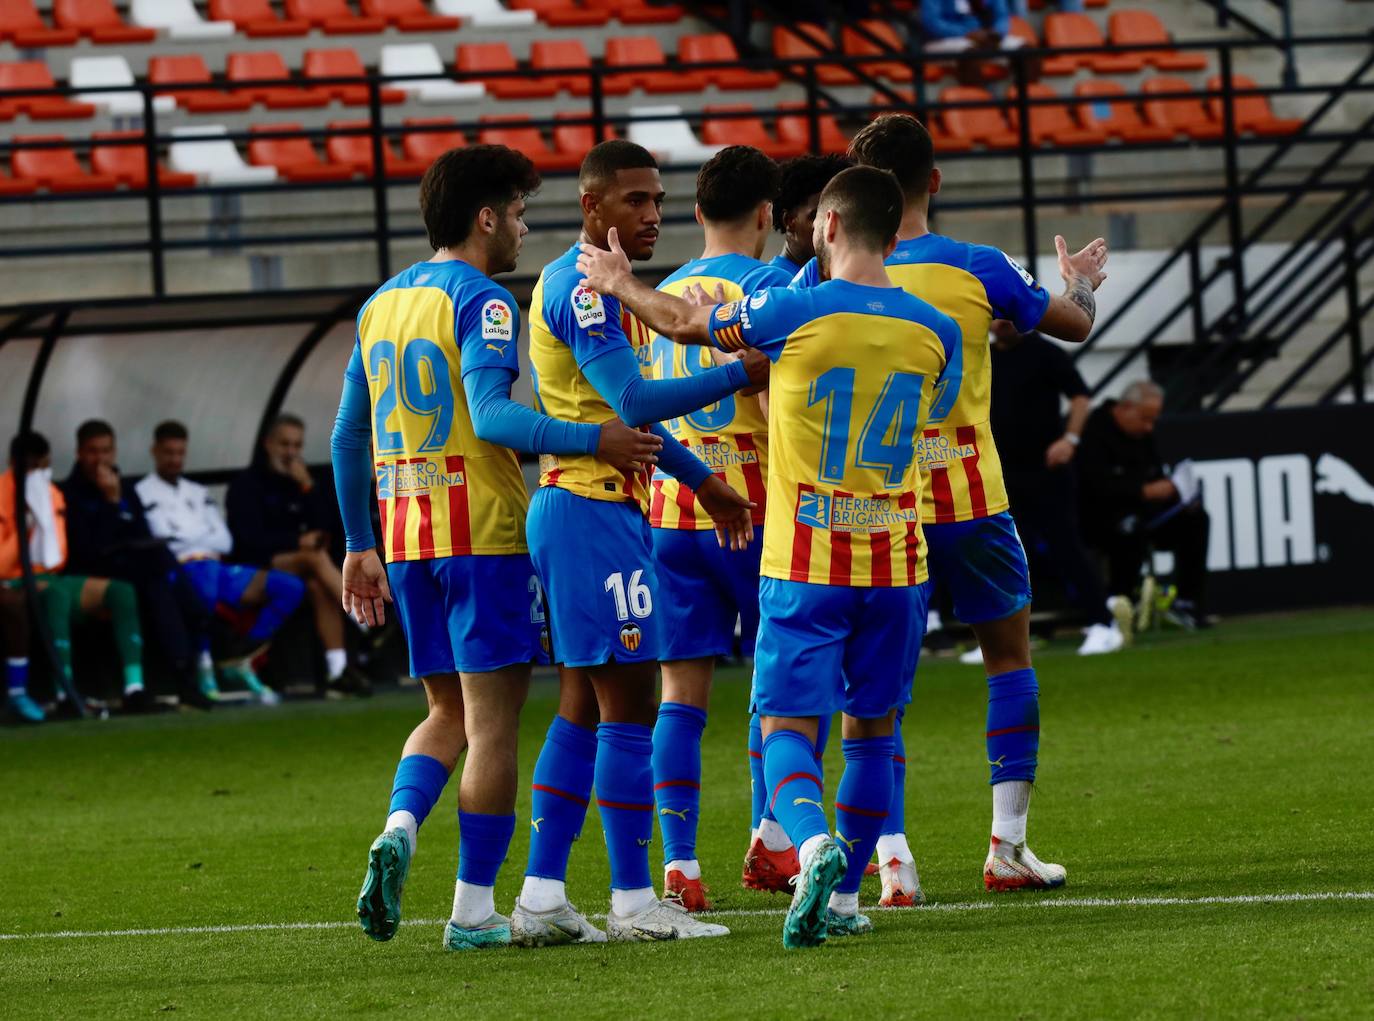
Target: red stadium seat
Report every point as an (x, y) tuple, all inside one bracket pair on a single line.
[(718, 47), (98, 21), (1143, 28), (561, 13), (623, 51), (1182, 115), (1117, 118), (806, 40), (1252, 113), (1050, 123), (473, 60), (1073, 29), (636, 12), (576, 139), (985, 125), (567, 54), (856, 43), (519, 134), (427, 146), (334, 17), (294, 158), (21, 23), (343, 63), (256, 18), (943, 141), (267, 65), (9, 186), (55, 169), (717, 130), (128, 164), (409, 15), (190, 68), (796, 128), (355, 151), (34, 74)]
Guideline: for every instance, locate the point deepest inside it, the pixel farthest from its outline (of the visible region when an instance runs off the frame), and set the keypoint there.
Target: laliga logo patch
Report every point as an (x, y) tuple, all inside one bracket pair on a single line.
[(1030, 280), (587, 307), (727, 312), (631, 636), (813, 509), (496, 320)]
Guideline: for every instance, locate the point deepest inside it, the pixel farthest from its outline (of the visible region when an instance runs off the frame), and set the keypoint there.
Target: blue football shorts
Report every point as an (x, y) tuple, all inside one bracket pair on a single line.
[(983, 566), (469, 614), (595, 561), (217, 582), (825, 648), (706, 590)]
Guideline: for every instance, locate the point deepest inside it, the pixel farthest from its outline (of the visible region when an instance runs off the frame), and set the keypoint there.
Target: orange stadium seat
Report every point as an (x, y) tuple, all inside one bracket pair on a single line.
[(576, 139), (796, 128), (562, 13), (55, 169), (99, 22), (1117, 118), (34, 74), (804, 40), (294, 158), (516, 132), (409, 15), (859, 45), (1073, 29), (985, 124), (1021, 28), (1050, 123), (427, 146), (256, 18), (1182, 115), (1143, 28), (343, 63), (128, 164), (636, 12), (21, 23), (1252, 113), (268, 65), (716, 130), (717, 47), (355, 152), (10, 186), (473, 60), (624, 51), (943, 141), (333, 17), (568, 54), (190, 68)]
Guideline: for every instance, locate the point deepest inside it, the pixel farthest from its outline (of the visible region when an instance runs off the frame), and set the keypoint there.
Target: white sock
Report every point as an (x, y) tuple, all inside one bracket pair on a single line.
[(472, 905), (933, 621), (689, 867), (539, 894), (630, 902), (405, 821), (894, 845), (1010, 806), (772, 834), (809, 846), (335, 662), (844, 903), (204, 662)]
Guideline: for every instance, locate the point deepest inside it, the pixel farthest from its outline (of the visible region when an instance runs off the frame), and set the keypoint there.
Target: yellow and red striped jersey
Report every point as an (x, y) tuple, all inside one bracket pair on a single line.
[(856, 373), (730, 436), (441, 490)]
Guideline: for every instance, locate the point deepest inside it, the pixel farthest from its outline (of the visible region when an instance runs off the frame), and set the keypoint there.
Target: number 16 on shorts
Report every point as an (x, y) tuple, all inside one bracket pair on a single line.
[(634, 599)]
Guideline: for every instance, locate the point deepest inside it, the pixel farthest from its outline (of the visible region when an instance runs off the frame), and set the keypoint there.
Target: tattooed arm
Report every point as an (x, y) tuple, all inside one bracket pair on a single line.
[(1070, 315)]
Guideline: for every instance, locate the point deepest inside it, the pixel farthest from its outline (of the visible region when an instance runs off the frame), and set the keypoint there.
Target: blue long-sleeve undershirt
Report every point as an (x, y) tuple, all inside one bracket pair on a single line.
[(639, 401), (678, 461), (349, 449)]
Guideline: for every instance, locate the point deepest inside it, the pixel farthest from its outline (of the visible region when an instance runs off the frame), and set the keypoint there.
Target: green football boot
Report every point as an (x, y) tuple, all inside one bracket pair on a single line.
[(379, 903), (837, 924), (494, 932), (805, 925)]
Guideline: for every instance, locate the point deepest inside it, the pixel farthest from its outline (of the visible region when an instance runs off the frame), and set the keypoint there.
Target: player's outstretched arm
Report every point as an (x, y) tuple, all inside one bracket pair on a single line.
[(731, 512), (607, 271), (1070, 316), (638, 401)]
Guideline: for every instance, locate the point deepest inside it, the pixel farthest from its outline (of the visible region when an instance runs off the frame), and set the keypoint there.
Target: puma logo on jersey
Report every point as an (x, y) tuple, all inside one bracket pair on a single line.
[(681, 813), (499, 349), (535, 823)]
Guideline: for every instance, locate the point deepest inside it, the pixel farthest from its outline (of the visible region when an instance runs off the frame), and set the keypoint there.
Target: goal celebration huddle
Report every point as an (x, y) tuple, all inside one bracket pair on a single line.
[(790, 451)]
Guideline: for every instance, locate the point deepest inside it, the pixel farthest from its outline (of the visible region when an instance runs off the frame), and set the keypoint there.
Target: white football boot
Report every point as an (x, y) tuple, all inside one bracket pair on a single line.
[(661, 919), (1014, 867), (901, 885), (563, 924), (1099, 639)]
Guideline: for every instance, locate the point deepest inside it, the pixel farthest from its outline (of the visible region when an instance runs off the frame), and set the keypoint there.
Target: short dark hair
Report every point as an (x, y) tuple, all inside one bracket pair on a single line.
[(732, 183), (463, 181), (900, 144), (605, 159), (27, 445), (170, 430), (92, 429), (869, 204), (285, 418), (800, 178)]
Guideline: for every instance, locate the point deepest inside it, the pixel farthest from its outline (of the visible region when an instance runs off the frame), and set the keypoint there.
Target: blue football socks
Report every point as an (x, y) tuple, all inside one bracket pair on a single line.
[(896, 810), (283, 593), (419, 782), (794, 784), (758, 786), (862, 803), (559, 794), (1013, 725), (17, 675), (677, 777), (483, 841), (625, 799)]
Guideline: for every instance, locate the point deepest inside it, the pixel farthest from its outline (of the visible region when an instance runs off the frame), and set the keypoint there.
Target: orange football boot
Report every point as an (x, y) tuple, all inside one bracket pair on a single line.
[(770, 871), (690, 893)]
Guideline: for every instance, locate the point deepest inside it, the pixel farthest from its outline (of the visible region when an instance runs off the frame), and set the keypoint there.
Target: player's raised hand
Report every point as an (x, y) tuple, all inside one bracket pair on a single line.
[(1088, 263), (365, 589), (697, 295), (603, 269), (758, 366), (628, 451), (732, 513)]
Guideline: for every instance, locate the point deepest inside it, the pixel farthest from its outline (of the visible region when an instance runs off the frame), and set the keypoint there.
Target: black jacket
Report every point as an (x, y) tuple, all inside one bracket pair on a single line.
[(105, 538), (1112, 470), (268, 512)]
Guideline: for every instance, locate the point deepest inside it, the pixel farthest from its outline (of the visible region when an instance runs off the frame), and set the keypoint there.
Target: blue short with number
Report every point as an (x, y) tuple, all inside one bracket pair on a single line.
[(824, 648), (595, 560), (706, 589), (471, 614), (983, 566), (217, 582)]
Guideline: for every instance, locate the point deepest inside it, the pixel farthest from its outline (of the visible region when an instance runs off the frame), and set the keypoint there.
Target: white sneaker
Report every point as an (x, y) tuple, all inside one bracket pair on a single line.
[(1101, 638), (974, 657), (901, 885), (563, 924), (1014, 867), (662, 919), (1124, 614)]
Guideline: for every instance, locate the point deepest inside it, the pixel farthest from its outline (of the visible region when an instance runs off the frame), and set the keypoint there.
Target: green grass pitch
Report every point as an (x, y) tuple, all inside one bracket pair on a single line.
[(1228, 765)]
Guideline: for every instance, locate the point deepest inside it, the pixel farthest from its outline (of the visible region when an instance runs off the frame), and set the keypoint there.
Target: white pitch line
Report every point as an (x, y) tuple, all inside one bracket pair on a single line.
[(983, 905)]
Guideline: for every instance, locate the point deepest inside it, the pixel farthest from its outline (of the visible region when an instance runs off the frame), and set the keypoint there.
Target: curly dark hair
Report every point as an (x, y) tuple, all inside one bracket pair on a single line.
[(802, 177), (732, 183), (463, 181), (900, 144)]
